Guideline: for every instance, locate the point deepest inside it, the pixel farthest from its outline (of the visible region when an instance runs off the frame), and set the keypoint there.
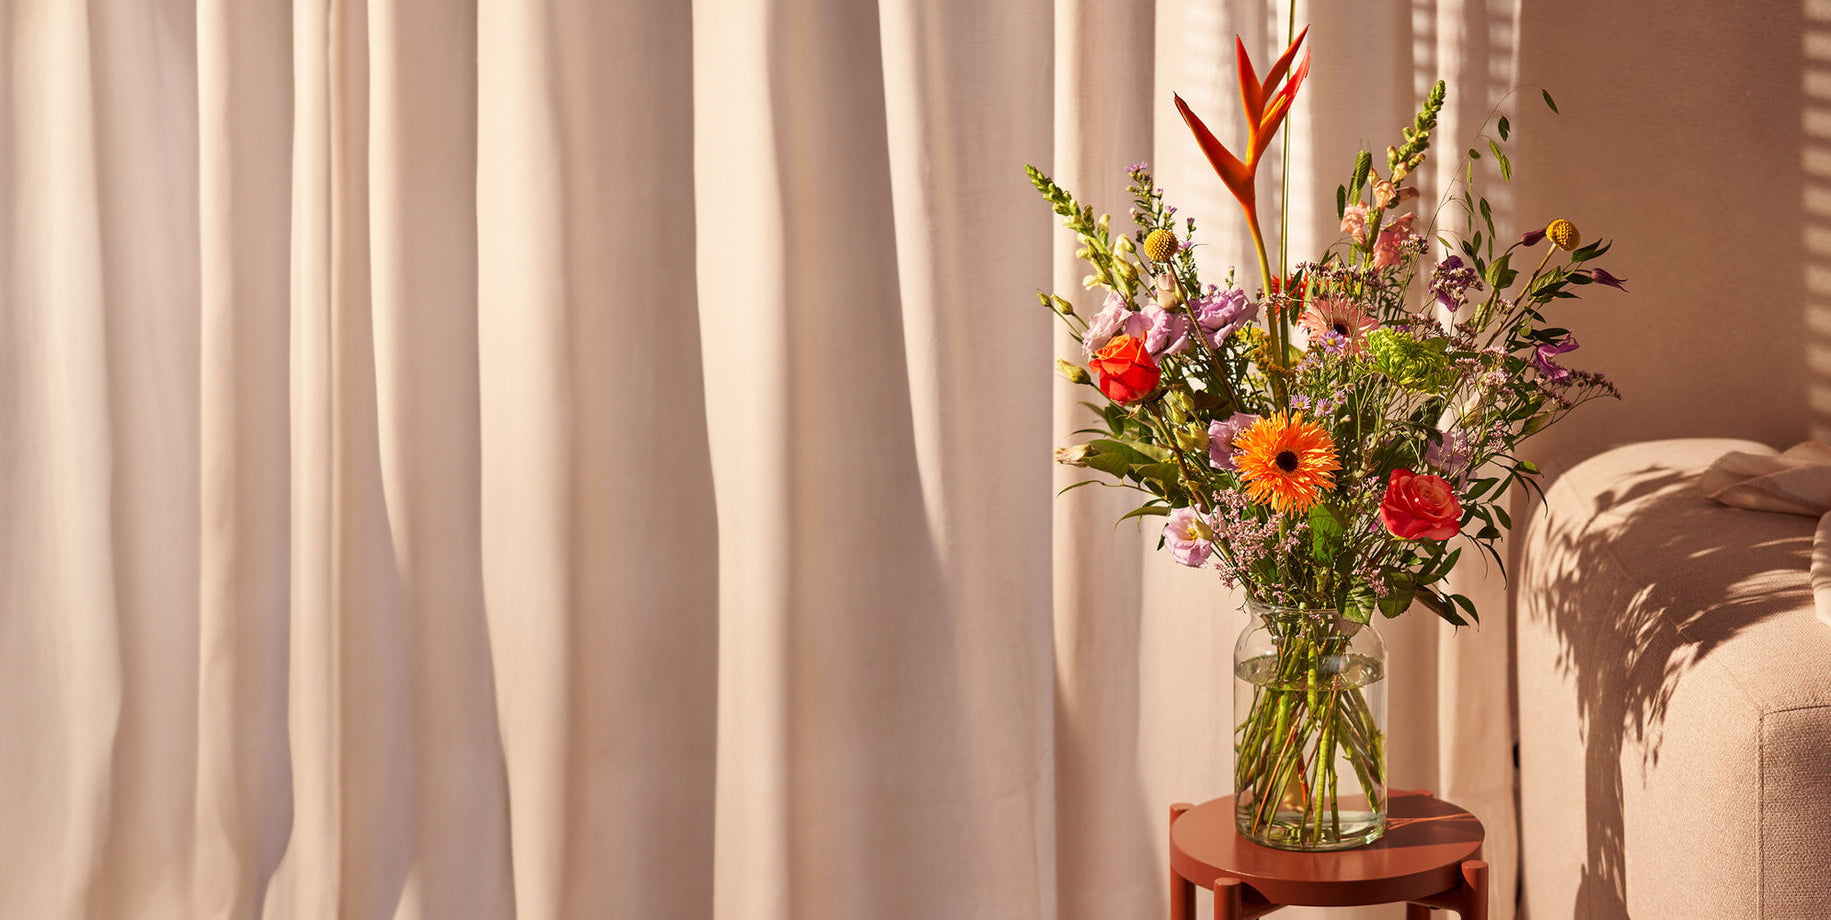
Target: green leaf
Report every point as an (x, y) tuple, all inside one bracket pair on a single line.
[(1113, 463), (1073, 486), (1468, 606), (1164, 473), (1548, 103), (1144, 453), (1440, 607), (1341, 200), (1398, 600), (1474, 154), (1500, 514), (1440, 569), (1143, 511), (1358, 606), (1506, 169), (1325, 533), (1363, 164), (1527, 466), (1586, 253), (1503, 127)]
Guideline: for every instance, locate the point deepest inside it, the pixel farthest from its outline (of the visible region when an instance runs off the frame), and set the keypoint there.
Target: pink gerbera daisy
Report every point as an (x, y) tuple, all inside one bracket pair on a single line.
[(1344, 318)]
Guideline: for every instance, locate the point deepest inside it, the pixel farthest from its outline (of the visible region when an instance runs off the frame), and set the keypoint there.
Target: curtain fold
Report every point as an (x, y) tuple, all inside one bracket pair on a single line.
[(555, 459)]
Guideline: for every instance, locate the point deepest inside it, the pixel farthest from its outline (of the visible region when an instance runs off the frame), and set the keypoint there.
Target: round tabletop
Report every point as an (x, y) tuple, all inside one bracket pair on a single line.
[(1426, 842)]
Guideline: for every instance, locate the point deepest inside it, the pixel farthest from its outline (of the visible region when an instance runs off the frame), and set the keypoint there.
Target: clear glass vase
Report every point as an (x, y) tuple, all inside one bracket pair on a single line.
[(1309, 742)]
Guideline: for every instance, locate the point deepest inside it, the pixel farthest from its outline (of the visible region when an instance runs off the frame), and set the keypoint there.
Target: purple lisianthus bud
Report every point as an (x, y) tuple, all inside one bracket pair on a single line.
[(1532, 237), (1189, 537), (1110, 321), (1602, 277), (1165, 333), (1222, 313), (1221, 435), (1542, 355), (1450, 457)]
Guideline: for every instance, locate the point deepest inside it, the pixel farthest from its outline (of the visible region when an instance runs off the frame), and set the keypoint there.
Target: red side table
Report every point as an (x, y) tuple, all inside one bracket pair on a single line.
[(1430, 857)]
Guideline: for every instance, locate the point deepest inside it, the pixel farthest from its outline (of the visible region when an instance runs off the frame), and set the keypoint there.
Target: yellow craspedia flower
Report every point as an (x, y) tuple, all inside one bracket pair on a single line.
[(1160, 245), (1563, 234)]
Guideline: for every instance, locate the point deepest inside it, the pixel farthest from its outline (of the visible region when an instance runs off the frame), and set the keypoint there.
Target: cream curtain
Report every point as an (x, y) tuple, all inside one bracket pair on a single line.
[(489, 458)]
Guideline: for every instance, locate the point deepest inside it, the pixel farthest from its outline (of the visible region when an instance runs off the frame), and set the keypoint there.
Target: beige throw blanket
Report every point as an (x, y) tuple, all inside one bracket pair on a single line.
[(1795, 482)]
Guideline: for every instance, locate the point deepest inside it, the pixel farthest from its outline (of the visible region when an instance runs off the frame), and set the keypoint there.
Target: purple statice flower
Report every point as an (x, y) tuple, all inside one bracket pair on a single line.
[(1451, 281), (1222, 313), (1248, 539), (1109, 322), (1189, 537), (1602, 277), (1220, 438), (1164, 332), (1542, 355), (1450, 456)]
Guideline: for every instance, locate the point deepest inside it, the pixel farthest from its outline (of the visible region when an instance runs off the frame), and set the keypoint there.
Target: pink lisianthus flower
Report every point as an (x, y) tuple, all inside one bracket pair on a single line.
[(1189, 537), (1394, 237), (1221, 435), (1164, 332), (1110, 321), (1222, 313)]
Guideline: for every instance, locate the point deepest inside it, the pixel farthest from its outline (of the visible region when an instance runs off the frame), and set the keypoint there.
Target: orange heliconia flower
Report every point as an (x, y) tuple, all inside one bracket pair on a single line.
[(1286, 463), (1266, 103)]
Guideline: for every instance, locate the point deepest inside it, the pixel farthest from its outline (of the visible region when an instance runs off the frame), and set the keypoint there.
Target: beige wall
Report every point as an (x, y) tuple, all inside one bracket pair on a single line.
[(1691, 135)]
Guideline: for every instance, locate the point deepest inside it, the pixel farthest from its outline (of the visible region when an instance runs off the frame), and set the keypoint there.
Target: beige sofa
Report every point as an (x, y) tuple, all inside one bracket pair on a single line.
[(1674, 699)]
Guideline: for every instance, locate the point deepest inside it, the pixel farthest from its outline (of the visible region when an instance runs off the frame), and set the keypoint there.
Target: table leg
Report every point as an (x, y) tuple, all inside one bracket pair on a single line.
[(1228, 900), (1475, 876), (1417, 912), (1182, 891)]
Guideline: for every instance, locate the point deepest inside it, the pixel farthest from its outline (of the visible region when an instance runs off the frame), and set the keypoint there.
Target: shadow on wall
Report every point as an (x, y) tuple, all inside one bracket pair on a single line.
[(1626, 642), (1697, 135)]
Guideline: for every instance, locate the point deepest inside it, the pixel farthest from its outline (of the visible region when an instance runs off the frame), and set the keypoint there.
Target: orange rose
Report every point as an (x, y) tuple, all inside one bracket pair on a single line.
[(1127, 372), (1420, 507)]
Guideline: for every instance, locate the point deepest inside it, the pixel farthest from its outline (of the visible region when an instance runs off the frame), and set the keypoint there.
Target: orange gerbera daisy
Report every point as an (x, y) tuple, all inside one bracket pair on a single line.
[(1286, 463)]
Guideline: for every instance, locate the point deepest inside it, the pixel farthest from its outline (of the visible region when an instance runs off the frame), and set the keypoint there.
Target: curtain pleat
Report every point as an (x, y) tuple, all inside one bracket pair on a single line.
[(484, 459)]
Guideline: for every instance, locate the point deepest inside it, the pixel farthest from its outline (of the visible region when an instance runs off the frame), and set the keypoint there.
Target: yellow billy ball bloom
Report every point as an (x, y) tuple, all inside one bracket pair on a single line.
[(1160, 245), (1563, 234)]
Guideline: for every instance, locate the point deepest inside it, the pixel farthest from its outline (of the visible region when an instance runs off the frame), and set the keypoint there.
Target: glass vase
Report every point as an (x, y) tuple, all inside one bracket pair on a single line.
[(1309, 743)]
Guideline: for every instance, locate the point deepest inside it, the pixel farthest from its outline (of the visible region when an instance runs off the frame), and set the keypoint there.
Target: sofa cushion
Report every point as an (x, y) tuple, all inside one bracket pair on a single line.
[(1674, 698)]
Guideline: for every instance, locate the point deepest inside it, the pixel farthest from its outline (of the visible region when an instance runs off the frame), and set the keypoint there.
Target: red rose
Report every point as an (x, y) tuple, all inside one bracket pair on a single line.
[(1127, 372), (1420, 507)]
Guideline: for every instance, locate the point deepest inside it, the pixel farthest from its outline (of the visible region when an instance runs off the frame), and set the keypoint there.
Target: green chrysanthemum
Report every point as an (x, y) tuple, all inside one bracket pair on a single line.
[(1409, 362)]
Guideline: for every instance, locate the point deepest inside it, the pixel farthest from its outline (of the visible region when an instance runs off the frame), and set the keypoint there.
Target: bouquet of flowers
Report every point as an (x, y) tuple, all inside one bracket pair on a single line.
[(1332, 438)]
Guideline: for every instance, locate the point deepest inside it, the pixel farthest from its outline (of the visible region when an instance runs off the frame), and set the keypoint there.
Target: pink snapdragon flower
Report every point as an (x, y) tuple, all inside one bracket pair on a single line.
[(1354, 223), (1394, 237)]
